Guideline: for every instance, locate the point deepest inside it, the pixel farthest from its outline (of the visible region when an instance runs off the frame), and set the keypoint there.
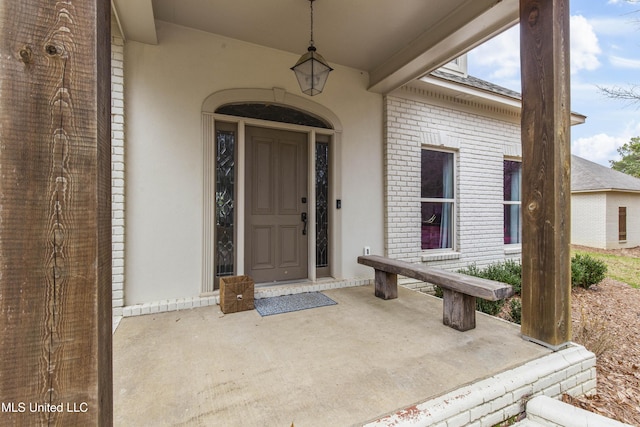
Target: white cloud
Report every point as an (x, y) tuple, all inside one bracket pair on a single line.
[(584, 45), (619, 26), (598, 148), (620, 62), (501, 54), (632, 130)]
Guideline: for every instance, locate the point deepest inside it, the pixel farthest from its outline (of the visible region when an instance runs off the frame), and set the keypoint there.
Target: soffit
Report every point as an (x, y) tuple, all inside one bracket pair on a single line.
[(394, 41), (474, 91)]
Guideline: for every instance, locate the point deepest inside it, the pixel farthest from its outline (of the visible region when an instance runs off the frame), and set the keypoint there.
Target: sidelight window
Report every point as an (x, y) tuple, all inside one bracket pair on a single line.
[(322, 206), (225, 200)]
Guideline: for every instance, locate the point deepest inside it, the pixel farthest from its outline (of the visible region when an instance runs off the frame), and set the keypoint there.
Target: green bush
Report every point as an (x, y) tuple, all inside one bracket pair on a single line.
[(489, 307), (516, 310), (509, 272), (586, 271), (484, 306), (438, 291)]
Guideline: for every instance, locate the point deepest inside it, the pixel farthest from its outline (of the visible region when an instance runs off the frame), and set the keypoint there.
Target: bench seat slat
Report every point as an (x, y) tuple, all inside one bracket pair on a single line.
[(475, 286)]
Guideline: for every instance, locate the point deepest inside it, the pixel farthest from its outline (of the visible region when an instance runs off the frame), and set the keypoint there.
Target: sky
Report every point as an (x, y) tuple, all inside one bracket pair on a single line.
[(605, 52)]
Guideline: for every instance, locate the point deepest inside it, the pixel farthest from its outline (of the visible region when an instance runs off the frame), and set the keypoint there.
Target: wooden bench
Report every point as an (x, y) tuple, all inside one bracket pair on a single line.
[(459, 290)]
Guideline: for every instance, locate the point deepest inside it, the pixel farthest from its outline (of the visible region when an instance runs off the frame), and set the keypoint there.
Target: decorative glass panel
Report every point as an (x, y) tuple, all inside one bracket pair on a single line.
[(322, 204), (274, 113), (225, 188)]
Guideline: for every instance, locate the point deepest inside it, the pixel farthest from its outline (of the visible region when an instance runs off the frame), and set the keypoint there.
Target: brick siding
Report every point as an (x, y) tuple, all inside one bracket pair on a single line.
[(117, 172), (480, 143), (496, 399)]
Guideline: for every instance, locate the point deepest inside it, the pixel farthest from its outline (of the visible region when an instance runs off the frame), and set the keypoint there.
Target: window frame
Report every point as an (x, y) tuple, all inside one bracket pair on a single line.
[(443, 200), (512, 202)]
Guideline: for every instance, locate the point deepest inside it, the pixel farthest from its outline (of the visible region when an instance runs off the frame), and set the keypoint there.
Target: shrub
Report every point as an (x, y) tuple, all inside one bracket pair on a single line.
[(438, 291), (489, 307), (515, 312), (509, 272), (587, 271)]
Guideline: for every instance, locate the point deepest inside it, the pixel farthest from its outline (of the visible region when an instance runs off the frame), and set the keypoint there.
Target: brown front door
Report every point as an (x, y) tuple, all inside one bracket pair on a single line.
[(275, 205)]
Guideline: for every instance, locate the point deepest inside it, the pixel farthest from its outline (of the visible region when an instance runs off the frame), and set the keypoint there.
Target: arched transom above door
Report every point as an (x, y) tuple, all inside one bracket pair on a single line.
[(272, 97)]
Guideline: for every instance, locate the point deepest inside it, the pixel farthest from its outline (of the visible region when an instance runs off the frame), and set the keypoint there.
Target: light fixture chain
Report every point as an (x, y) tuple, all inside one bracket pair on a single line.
[(311, 6)]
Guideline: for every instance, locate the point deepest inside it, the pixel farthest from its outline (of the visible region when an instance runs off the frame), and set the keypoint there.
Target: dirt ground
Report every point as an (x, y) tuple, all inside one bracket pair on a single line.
[(606, 319)]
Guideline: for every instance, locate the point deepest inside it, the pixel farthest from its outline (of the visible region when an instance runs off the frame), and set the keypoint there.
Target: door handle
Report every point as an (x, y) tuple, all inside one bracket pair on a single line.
[(303, 218)]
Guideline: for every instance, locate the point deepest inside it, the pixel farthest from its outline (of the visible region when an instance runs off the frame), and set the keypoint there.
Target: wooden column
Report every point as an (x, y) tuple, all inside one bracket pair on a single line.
[(55, 213), (546, 263)]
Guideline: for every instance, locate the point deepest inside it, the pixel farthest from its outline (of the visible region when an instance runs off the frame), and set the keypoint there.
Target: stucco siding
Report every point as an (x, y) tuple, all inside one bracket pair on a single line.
[(166, 86), (480, 144)]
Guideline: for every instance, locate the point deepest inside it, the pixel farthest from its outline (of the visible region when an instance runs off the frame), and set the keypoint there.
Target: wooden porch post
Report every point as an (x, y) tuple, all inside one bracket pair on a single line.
[(55, 213), (546, 157)]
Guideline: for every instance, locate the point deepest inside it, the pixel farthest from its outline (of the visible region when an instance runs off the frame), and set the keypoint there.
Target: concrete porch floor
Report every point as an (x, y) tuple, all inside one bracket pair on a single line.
[(339, 365)]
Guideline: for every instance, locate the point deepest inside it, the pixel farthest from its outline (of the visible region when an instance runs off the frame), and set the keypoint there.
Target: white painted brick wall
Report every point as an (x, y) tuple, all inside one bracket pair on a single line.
[(632, 202), (545, 411), (480, 144), (588, 219), (493, 400), (117, 172)]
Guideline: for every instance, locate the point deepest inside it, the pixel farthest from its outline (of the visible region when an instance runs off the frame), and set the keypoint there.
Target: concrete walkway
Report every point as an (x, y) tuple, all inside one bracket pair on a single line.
[(331, 366)]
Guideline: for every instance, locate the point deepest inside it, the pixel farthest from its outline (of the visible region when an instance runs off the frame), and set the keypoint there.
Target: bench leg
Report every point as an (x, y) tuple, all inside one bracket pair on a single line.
[(459, 310), (386, 285)]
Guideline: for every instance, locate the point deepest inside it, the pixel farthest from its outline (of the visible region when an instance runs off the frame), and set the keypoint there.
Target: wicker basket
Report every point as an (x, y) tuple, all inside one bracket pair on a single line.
[(236, 294)]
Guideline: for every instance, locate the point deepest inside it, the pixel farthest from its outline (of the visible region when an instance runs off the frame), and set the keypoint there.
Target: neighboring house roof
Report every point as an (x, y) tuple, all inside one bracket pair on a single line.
[(587, 176)]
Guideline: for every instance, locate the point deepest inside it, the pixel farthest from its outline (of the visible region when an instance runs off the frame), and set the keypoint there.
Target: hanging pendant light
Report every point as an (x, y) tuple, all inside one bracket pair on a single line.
[(311, 69)]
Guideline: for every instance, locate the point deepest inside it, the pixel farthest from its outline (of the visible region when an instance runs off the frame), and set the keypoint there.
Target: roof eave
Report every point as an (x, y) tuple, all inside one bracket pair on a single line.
[(425, 54), (487, 96), (606, 190), (136, 20)]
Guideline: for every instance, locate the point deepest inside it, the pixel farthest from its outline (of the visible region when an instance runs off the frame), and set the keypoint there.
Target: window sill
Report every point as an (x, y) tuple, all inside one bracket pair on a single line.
[(439, 256), (512, 249)]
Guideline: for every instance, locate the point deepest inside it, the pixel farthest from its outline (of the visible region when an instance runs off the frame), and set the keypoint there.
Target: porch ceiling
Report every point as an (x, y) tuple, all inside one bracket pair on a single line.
[(393, 43)]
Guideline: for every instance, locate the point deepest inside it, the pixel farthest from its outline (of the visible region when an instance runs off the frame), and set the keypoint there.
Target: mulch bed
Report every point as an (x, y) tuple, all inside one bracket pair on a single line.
[(606, 319)]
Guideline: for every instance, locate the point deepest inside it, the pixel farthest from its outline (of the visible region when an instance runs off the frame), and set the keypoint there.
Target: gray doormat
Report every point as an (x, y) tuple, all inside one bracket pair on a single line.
[(288, 303)]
